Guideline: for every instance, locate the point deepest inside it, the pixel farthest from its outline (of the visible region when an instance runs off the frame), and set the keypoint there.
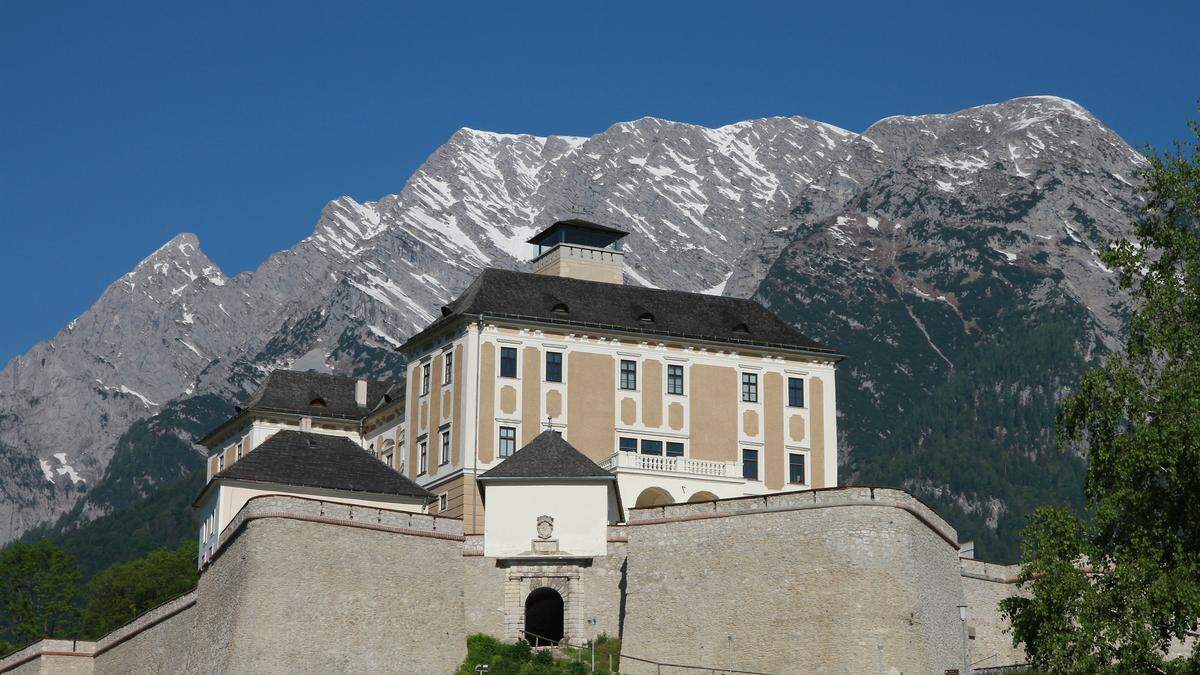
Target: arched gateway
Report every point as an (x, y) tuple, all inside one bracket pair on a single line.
[(544, 617)]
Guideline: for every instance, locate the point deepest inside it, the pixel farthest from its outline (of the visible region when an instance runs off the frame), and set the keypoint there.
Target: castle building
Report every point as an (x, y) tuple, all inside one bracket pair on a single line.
[(564, 456)]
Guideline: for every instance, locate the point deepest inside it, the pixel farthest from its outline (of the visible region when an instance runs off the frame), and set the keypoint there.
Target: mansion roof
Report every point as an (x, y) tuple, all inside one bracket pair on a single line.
[(575, 302), (316, 460), (316, 394), (548, 455)]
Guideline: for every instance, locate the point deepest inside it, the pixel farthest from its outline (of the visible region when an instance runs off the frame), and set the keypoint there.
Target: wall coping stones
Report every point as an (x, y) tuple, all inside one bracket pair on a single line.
[(147, 620), (986, 571), (800, 500), (47, 647)]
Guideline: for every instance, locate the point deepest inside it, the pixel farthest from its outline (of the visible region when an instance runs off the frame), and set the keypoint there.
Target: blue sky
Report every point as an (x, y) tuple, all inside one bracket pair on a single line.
[(122, 124)]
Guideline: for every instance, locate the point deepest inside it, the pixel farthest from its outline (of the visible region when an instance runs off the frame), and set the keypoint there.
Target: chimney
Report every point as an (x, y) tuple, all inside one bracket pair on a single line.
[(360, 393), (581, 250)]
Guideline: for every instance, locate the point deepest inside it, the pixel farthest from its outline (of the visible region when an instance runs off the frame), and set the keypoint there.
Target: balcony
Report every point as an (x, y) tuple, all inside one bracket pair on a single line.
[(676, 465)]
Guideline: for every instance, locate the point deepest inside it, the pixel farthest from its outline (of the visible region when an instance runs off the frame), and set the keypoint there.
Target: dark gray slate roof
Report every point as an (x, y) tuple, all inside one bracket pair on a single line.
[(320, 461), (293, 391), (521, 295), (548, 455)]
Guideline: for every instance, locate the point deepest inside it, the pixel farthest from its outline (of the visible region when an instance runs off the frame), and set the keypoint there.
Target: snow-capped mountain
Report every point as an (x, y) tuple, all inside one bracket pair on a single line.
[(806, 215)]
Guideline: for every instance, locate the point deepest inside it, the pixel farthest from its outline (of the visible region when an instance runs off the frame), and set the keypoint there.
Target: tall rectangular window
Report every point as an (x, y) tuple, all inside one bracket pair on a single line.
[(626, 444), (241, 448), (674, 449), (422, 457), (750, 464), (445, 458), (508, 441), (628, 374), (443, 501), (554, 366), (425, 378), (675, 380), (796, 469), (447, 374), (750, 387), (508, 362), (650, 447), (796, 392), (221, 462)]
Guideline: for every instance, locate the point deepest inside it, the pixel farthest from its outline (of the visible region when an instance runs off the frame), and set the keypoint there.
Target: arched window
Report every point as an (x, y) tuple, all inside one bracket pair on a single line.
[(388, 453), (560, 308), (317, 403), (646, 317), (741, 328)]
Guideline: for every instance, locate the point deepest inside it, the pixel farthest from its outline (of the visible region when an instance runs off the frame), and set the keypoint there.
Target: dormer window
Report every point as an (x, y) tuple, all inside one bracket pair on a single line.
[(446, 311), (646, 317), (741, 328), (560, 308), (317, 403)]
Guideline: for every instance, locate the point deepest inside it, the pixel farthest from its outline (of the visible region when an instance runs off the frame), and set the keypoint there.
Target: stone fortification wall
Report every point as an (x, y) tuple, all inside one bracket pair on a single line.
[(837, 580), (156, 642), (984, 586), (73, 657)]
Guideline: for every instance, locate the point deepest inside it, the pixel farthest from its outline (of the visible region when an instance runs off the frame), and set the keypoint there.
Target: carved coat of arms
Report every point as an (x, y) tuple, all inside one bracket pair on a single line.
[(545, 527)]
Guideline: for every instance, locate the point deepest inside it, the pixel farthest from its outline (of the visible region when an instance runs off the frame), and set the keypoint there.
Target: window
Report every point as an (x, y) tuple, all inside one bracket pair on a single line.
[(675, 380), (796, 469), (628, 374), (372, 450), (443, 501), (750, 464), (221, 462), (553, 366), (650, 447), (508, 441), (388, 459), (674, 449), (796, 392), (425, 379), (445, 458), (626, 444), (422, 457), (508, 362), (447, 374), (241, 448), (750, 387)]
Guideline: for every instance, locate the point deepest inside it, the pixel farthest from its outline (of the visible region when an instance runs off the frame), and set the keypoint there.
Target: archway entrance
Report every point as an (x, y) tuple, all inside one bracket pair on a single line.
[(653, 496), (544, 617), (702, 496)]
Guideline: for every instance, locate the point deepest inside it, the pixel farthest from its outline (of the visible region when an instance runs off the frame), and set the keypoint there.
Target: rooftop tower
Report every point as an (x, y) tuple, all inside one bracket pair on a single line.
[(581, 250)]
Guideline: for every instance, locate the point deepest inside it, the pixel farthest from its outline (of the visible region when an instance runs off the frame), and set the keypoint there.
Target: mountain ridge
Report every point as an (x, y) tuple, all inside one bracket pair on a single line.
[(757, 208)]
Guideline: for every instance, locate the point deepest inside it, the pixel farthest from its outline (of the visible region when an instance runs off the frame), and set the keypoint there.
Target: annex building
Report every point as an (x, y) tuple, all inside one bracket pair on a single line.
[(566, 456)]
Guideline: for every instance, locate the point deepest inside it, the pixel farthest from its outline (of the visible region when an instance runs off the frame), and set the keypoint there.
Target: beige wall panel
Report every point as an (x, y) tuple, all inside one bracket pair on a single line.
[(487, 401), (796, 428), (714, 412), (424, 422), (472, 506), (628, 411), (435, 435), (750, 423), (554, 404), (816, 412), (508, 399), (457, 417), (773, 475), (445, 405), (531, 394), (591, 404), (652, 393), (675, 416)]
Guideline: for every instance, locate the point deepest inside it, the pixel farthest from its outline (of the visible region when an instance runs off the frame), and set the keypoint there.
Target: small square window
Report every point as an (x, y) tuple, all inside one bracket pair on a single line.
[(628, 374), (674, 449), (796, 469), (675, 380), (796, 392), (554, 366), (750, 464), (508, 362), (750, 387), (626, 444), (508, 441)]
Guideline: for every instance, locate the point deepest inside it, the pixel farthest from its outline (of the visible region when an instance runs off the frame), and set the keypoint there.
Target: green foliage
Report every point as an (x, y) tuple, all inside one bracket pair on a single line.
[(520, 659), (1138, 420), (39, 586), (122, 592)]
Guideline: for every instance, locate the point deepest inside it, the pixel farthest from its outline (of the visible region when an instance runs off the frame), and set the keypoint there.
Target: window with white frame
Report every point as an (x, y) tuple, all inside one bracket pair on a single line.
[(628, 374), (422, 457), (675, 380), (796, 392), (750, 387), (425, 378), (221, 462), (448, 371), (554, 366), (796, 468), (445, 456), (508, 441), (750, 464), (508, 362), (443, 501)]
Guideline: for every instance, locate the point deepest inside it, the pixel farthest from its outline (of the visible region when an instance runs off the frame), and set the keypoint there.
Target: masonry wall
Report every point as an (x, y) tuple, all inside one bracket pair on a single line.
[(159, 641), (842, 580), (984, 586)]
